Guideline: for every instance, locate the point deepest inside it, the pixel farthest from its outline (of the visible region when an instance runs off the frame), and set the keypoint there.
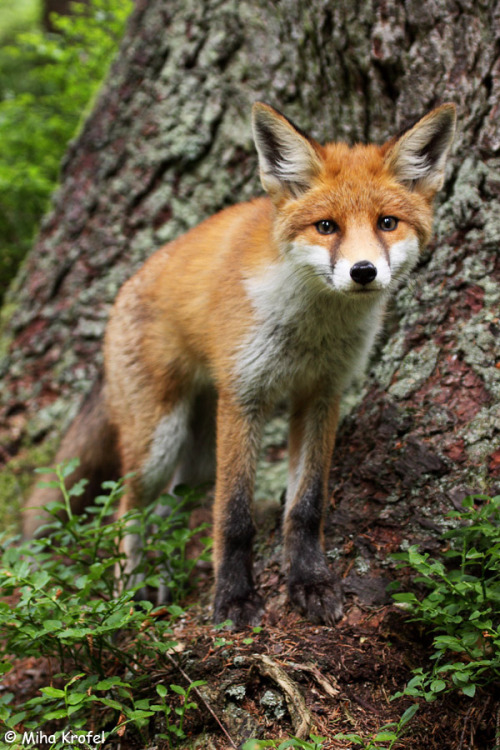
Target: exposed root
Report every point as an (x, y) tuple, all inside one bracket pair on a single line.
[(299, 713)]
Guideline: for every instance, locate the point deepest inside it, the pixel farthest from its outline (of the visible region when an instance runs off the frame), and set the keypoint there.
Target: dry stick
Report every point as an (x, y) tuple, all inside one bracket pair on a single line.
[(462, 736), (467, 715), (300, 714), (364, 704), (203, 700), (320, 679), (480, 718)]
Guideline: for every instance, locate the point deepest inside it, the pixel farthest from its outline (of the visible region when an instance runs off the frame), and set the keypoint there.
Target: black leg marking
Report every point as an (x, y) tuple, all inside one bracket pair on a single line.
[(312, 587), (235, 596)]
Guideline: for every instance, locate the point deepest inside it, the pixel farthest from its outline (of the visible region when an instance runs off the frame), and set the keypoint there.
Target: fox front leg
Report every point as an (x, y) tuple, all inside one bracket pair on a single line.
[(238, 439), (312, 587)]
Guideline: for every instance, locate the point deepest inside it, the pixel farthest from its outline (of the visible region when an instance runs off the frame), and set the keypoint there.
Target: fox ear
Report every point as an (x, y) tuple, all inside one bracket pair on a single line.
[(288, 158), (418, 157)]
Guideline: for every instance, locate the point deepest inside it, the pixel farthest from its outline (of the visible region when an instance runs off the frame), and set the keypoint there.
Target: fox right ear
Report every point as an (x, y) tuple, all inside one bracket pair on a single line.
[(288, 158), (418, 157)]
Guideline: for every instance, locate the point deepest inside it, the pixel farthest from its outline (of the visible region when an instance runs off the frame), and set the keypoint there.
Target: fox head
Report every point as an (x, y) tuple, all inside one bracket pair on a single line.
[(355, 217)]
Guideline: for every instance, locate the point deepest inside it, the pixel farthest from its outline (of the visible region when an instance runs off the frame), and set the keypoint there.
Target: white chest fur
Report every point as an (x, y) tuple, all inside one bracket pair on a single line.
[(305, 335)]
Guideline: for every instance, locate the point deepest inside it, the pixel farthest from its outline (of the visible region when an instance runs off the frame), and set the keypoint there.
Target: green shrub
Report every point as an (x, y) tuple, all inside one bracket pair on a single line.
[(314, 743), (462, 606), (389, 734), (68, 609), (46, 82)]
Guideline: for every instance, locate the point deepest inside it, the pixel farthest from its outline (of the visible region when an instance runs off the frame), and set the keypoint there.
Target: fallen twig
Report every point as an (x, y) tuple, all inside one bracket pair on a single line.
[(320, 679), (202, 698), (361, 702), (466, 721)]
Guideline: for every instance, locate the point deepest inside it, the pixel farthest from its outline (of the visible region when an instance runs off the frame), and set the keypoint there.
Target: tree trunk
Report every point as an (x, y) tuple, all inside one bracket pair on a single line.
[(168, 142)]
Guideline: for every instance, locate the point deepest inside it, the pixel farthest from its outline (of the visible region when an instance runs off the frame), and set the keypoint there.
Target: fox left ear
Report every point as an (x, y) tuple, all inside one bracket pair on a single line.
[(288, 158), (418, 158)]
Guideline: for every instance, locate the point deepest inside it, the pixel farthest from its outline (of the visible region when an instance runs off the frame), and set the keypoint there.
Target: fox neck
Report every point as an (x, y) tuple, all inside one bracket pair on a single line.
[(305, 333)]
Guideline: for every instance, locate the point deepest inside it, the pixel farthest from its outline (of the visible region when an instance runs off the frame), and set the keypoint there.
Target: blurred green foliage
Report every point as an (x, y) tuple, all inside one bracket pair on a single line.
[(47, 81), (17, 15)]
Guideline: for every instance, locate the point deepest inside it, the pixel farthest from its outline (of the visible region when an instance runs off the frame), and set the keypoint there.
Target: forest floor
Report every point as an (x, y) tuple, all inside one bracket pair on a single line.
[(293, 677)]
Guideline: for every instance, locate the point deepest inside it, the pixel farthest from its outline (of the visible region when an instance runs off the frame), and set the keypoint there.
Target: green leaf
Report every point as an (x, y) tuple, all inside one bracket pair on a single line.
[(59, 714), (407, 597), (408, 714), (74, 698), (350, 737), (437, 686), (161, 690), (51, 625), (197, 683), (222, 625), (74, 633), (69, 467), (77, 489), (16, 719), (72, 709), (109, 702), (110, 682), (52, 692), (445, 641), (178, 689), (469, 690), (137, 714)]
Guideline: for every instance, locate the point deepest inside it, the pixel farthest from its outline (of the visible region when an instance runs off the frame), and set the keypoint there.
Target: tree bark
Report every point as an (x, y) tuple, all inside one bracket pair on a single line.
[(168, 143)]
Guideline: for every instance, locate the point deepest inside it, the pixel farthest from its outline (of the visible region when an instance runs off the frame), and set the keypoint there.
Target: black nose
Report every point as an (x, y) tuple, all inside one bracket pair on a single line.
[(363, 272)]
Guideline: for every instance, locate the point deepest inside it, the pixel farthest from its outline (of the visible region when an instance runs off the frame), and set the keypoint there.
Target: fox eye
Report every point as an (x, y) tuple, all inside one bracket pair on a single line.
[(326, 226), (388, 223)]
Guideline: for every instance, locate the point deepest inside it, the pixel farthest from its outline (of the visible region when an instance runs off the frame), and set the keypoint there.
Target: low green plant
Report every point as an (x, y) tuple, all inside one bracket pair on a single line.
[(462, 603), (255, 630), (47, 80), (314, 743), (64, 605), (180, 711), (388, 734)]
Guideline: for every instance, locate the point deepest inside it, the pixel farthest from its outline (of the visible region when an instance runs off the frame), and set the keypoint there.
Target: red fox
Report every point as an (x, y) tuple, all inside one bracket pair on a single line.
[(279, 298)]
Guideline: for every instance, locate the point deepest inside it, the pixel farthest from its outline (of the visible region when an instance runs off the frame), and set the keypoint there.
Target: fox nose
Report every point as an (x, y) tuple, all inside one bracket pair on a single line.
[(363, 272)]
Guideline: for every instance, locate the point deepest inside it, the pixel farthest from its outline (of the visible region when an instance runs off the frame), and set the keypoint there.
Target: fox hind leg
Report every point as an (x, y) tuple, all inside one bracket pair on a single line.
[(196, 465), (197, 459), (152, 460)]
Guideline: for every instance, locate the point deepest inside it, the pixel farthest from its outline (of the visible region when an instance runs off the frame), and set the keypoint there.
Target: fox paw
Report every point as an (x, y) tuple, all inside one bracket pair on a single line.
[(320, 601), (241, 611)]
